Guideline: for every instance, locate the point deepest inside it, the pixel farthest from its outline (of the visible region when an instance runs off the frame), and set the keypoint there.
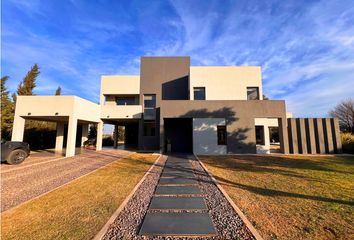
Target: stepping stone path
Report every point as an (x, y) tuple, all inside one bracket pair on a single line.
[(178, 206)]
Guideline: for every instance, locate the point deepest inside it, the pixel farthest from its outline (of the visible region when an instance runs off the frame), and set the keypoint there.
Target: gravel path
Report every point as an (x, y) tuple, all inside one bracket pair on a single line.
[(22, 184), (228, 224)]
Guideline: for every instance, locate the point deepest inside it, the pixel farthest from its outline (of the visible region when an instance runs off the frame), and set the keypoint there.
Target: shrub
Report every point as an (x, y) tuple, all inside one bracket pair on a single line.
[(347, 142)]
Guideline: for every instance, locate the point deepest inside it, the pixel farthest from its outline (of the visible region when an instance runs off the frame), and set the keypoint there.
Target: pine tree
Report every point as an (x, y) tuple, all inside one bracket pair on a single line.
[(29, 81), (7, 111), (58, 91)]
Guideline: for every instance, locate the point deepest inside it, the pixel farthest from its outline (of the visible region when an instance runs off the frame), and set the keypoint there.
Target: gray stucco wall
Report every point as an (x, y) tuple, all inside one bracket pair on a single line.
[(239, 115)]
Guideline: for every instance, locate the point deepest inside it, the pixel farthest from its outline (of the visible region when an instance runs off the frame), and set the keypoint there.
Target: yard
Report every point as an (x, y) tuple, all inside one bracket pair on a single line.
[(79, 209), (291, 197)]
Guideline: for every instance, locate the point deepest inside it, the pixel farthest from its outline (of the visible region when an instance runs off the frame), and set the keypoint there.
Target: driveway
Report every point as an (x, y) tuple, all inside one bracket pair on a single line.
[(42, 173)]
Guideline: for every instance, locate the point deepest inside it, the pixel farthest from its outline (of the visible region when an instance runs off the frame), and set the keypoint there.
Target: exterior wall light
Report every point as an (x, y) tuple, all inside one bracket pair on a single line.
[(29, 114), (56, 114), (107, 116)]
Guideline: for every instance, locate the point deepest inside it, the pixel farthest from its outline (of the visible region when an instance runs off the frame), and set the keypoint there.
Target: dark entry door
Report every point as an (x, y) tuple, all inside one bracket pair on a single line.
[(179, 132)]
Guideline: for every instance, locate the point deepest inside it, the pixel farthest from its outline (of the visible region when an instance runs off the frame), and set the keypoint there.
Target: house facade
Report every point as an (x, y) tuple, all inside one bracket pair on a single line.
[(175, 107)]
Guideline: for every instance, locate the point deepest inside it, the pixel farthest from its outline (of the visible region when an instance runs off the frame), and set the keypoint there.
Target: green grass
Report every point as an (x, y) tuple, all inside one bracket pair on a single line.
[(291, 197), (81, 208)]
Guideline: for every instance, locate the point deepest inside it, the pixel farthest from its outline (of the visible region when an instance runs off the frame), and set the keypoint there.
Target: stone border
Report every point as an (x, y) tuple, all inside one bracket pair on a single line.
[(52, 190), (234, 206), (111, 220)]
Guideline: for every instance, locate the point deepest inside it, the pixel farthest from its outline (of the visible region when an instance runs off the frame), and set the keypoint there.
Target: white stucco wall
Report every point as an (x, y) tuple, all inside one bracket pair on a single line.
[(266, 123), (225, 82), (205, 140)]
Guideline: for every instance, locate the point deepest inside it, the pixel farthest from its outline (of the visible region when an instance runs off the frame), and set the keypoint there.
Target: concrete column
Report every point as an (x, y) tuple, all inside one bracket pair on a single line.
[(283, 135), (71, 141), (328, 135), (336, 136), (59, 140), (115, 139), (99, 136), (266, 138), (301, 131), (84, 135), (18, 129), (293, 142), (310, 132), (320, 141)]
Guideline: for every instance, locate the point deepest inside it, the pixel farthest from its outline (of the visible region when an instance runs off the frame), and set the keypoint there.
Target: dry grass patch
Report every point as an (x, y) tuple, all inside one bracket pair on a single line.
[(291, 197), (81, 208)]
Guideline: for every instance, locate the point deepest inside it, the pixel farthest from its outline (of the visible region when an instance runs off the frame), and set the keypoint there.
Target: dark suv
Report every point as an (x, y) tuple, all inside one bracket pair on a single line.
[(14, 152)]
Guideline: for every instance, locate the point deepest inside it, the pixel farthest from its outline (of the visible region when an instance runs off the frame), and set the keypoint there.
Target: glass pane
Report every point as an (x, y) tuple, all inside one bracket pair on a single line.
[(252, 93), (149, 100), (199, 93)]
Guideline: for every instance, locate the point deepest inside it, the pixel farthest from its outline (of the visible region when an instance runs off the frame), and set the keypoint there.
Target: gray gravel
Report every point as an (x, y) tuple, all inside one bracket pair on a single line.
[(22, 184), (228, 224)]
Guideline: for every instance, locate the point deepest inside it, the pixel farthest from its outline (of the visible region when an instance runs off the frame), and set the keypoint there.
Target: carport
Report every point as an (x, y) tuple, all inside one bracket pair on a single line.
[(131, 135), (70, 110)]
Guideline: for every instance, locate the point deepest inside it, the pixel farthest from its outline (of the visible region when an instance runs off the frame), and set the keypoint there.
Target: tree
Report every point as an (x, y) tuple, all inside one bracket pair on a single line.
[(58, 91), (344, 111), (29, 81), (7, 110), (265, 97)]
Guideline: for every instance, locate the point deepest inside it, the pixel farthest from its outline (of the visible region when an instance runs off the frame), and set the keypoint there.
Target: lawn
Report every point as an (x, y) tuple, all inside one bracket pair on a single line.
[(291, 197), (79, 209)]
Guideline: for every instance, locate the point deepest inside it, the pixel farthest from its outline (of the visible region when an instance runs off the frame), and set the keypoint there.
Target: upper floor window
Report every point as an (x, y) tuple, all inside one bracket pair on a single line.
[(122, 101), (199, 93), (252, 93), (149, 101)]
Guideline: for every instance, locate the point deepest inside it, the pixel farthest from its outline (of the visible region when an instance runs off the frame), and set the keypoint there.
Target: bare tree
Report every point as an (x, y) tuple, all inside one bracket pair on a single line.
[(344, 111)]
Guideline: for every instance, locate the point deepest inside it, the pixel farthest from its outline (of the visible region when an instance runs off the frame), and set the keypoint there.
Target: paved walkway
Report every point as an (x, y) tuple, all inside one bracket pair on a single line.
[(178, 206), (21, 183)]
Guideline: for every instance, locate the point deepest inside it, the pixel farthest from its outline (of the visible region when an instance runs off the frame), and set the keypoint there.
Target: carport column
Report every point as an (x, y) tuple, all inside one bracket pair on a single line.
[(85, 128), (115, 145), (18, 129), (60, 137), (71, 141), (99, 136)]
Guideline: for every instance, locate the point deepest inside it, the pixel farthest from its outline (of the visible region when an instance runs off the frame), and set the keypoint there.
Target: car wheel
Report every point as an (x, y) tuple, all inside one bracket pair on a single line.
[(17, 156)]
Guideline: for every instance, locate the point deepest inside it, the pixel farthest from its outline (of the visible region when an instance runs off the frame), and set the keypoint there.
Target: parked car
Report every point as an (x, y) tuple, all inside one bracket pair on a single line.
[(14, 152)]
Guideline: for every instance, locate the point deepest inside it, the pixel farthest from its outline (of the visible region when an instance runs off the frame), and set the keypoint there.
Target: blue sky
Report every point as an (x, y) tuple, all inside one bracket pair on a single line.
[(305, 48)]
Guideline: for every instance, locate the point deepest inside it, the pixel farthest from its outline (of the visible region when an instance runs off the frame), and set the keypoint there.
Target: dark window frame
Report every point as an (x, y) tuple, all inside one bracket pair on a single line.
[(128, 101), (249, 88), (221, 134), (199, 90), (260, 138), (153, 100)]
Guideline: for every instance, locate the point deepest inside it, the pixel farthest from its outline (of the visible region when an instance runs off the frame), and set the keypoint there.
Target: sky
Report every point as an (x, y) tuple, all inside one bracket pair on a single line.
[(305, 48)]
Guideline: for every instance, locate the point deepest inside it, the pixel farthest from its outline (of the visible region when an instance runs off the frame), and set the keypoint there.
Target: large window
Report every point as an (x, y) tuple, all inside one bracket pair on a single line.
[(122, 101), (221, 130), (252, 93), (149, 128), (260, 135), (199, 93)]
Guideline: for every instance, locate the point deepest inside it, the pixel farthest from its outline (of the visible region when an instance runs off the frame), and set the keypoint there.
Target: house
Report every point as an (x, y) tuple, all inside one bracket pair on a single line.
[(175, 107)]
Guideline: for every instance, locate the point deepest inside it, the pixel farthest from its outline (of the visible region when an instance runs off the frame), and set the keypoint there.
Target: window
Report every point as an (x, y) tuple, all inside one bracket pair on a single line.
[(149, 101), (252, 93), (199, 93), (149, 128), (260, 135), (122, 101), (221, 131)]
